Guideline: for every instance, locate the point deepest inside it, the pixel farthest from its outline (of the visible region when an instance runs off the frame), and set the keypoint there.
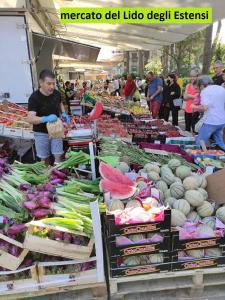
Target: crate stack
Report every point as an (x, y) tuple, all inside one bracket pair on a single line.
[(196, 253), (64, 265), (142, 256)]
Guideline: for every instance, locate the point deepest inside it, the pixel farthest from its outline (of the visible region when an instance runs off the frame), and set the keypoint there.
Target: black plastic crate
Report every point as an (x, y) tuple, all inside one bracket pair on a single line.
[(121, 271), (210, 262), (138, 248), (126, 118), (192, 244), (127, 229)]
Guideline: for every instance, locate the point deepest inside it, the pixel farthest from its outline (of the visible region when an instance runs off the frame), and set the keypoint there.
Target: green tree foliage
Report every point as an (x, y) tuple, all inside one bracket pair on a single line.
[(154, 65)]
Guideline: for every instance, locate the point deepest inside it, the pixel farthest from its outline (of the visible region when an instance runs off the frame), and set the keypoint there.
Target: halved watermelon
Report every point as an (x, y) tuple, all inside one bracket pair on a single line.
[(96, 111), (117, 190), (107, 172)]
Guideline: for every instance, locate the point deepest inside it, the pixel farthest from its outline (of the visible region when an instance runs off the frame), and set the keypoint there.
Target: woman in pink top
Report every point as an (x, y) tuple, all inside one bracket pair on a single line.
[(191, 96)]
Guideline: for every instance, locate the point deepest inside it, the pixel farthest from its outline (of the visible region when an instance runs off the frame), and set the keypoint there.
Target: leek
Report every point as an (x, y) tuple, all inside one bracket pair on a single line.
[(70, 224), (75, 158), (37, 168)]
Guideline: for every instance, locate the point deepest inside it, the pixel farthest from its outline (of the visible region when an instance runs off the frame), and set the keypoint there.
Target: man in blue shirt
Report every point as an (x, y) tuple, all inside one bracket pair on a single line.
[(155, 95)]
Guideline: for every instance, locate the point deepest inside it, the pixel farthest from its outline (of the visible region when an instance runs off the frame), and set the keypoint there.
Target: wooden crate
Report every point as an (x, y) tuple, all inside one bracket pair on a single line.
[(9, 261), (95, 291), (68, 278), (172, 285), (9, 284), (56, 248)]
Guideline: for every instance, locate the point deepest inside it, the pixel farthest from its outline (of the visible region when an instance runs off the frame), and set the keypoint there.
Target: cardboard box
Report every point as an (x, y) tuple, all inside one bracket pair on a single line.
[(216, 186)]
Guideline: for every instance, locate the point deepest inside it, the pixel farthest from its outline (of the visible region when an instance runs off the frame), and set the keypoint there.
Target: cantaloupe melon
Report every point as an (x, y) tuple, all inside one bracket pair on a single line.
[(197, 253), (183, 172), (210, 221), (174, 163), (156, 258), (213, 252), (177, 190), (190, 183), (194, 217), (182, 205), (161, 185), (220, 213), (194, 197), (177, 218), (205, 231), (205, 210)]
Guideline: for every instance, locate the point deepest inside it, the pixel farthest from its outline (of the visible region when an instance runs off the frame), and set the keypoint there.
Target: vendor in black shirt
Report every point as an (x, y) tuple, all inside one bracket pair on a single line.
[(45, 106), (218, 68), (69, 94)]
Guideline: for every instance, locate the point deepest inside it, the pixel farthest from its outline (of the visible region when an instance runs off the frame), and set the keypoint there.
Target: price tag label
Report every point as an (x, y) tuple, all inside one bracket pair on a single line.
[(157, 142), (1, 219)]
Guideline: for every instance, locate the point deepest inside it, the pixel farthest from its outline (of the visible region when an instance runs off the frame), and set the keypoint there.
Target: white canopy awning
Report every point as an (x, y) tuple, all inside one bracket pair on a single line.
[(128, 36), (120, 36)]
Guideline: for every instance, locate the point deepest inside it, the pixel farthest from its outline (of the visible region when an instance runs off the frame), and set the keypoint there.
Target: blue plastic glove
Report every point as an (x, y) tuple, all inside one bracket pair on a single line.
[(50, 118), (66, 117)]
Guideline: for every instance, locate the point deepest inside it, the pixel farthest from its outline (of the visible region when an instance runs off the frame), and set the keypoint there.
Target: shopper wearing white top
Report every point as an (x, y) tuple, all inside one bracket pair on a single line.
[(213, 105)]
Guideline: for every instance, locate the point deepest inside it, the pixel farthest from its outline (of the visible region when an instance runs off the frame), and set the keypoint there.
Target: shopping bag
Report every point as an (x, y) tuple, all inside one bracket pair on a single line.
[(178, 102), (55, 129), (199, 124), (137, 95)]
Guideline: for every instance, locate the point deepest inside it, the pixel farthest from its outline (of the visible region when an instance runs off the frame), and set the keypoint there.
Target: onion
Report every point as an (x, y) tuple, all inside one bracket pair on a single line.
[(14, 250), (44, 202), (30, 196), (30, 205), (59, 174), (2, 163), (65, 171), (57, 181), (49, 187), (16, 229), (5, 220), (58, 235), (25, 187), (41, 213), (45, 194), (27, 263), (85, 266), (4, 246), (41, 188), (67, 237)]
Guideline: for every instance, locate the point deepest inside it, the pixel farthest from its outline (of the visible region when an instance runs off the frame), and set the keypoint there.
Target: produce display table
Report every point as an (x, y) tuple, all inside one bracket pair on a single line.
[(23, 145)]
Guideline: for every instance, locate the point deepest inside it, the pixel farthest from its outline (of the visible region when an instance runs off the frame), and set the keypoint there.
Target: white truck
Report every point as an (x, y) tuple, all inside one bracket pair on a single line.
[(16, 75), (25, 50)]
